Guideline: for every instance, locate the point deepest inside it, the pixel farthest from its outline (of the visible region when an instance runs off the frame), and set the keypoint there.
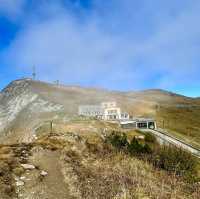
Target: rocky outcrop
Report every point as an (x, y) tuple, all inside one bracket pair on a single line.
[(19, 97)]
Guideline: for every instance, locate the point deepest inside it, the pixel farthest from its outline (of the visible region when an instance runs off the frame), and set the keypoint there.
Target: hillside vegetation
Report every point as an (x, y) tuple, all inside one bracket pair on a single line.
[(81, 164), (72, 158), (182, 122), (24, 104)]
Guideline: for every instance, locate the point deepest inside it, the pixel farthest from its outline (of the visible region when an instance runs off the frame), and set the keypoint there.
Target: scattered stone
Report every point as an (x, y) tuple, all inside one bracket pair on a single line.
[(43, 173), (16, 178), (23, 158), (19, 183), (26, 154), (35, 137), (28, 166), (22, 178), (140, 137)]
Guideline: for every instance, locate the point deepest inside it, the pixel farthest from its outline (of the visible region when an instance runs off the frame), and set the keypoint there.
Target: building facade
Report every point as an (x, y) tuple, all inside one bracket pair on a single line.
[(105, 111), (91, 111)]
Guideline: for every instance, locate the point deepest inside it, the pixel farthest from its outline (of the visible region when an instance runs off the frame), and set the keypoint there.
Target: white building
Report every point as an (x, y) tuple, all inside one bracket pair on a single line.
[(111, 111), (125, 116), (91, 111), (106, 111)]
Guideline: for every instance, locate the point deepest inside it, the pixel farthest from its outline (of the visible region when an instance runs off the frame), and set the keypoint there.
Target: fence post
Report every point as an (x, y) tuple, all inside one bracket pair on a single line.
[(51, 127), (163, 124)]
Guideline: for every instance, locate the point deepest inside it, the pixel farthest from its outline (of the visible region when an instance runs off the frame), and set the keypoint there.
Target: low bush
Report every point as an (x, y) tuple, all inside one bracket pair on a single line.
[(147, 149), (120, 142), (135, 147), (150, 138), (169, 158), (176, 160), (117, 140)]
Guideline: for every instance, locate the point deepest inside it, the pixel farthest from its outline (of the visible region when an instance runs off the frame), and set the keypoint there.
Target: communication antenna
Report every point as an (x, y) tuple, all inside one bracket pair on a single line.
[(57, 82), (34, 73)]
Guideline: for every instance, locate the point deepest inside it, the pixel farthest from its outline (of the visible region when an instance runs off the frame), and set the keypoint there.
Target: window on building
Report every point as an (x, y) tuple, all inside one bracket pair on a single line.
[(142, 125), (151, 125)]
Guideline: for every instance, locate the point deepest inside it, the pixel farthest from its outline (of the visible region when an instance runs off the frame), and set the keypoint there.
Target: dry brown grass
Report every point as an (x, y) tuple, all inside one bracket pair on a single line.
[(93, 169), (50, 142), (181, 122), (101, 172), (11, 157), (7, 163)]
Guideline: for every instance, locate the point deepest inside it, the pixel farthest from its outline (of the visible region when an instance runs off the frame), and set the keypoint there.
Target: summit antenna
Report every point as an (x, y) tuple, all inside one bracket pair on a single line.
[(34, 73)]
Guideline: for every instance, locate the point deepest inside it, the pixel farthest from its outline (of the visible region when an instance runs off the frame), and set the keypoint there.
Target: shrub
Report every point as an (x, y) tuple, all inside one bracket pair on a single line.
[(147, 149), (117, 140), (171, 159), (135, 147), (150, 138), (175, 160), (120, 142)]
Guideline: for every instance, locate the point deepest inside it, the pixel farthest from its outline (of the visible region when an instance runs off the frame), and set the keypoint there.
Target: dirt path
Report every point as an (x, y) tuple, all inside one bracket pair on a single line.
[(51, 186)]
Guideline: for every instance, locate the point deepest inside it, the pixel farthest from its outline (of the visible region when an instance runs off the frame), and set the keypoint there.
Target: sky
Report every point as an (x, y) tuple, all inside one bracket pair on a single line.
[(115, 44)]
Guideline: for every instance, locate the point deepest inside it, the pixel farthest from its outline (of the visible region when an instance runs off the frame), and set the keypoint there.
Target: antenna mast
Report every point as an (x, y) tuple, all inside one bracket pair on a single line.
[(34, 73)]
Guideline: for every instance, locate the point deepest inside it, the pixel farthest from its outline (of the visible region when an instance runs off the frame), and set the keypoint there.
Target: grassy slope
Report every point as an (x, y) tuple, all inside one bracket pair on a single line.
[(183, 123), (89, 168)]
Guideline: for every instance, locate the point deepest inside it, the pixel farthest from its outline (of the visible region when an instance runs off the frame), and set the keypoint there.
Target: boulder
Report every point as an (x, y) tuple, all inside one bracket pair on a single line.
[(43, 173), (19, 183), (28, 166)]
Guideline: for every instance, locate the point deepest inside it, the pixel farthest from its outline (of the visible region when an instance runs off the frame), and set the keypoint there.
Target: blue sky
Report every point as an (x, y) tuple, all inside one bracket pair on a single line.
[(115, 44)]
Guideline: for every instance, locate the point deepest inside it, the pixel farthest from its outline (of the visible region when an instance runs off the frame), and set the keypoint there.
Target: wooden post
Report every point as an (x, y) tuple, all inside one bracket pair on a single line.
[(51, 127), (163, 124)]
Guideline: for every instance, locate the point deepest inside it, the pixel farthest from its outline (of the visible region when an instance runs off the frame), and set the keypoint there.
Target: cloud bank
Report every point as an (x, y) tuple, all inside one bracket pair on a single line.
[(117, 44)]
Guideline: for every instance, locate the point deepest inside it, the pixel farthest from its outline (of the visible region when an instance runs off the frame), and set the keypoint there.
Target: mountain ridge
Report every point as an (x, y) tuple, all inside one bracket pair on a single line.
[(25, 103), (158, 90)]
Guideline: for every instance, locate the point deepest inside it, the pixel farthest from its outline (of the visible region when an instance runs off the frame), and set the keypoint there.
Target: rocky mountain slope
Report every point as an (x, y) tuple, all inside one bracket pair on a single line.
[(74, 161), (24, 104), (21, 107)]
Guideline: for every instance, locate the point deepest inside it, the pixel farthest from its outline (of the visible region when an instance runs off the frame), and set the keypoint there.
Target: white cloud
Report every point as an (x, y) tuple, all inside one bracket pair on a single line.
[(120, 44)]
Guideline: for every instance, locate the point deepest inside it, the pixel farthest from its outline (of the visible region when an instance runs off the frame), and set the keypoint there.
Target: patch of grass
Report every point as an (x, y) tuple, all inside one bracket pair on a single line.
[(116, 174), (131, 134), (182, 122), (149, 138), (169, 158), (51, 142), (7, 164), (176, 160)]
